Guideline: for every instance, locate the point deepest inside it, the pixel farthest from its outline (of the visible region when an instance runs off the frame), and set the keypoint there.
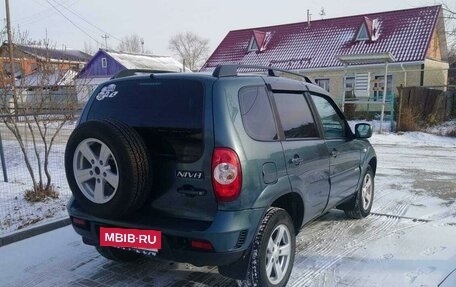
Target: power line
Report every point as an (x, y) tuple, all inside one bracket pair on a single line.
[(74, 24), (40, 15), (87, 21)]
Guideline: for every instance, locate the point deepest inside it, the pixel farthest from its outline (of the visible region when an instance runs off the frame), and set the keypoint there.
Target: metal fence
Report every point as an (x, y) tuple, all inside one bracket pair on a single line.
[(15, 211)]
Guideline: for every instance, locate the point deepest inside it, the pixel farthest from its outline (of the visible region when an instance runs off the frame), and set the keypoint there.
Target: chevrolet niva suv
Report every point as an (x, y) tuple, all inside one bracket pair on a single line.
[(218, 169)]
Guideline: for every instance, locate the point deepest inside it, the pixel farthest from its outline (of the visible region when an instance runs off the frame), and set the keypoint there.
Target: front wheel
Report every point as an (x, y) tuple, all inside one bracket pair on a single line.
[(273, 251), (362, 204)]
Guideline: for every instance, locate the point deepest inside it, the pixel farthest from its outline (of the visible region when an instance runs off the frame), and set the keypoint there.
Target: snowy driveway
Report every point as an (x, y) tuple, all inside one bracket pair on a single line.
[(409, 240)]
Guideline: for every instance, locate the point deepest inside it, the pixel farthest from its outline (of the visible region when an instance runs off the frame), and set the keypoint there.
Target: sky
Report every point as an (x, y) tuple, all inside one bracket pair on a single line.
[(79, 23)]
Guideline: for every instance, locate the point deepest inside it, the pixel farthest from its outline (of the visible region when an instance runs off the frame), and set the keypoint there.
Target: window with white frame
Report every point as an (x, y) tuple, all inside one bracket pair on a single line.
[(253, 46), (379, 87), (349, 84), (349, 87), (324, 83), (104, 62), (362, 34)]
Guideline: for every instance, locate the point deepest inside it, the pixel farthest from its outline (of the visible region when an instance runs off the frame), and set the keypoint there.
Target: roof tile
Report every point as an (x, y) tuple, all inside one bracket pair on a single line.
[(403, 33)]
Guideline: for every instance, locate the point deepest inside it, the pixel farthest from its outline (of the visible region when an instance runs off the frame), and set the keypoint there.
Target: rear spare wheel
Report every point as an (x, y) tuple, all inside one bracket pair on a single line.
[(107, 167)]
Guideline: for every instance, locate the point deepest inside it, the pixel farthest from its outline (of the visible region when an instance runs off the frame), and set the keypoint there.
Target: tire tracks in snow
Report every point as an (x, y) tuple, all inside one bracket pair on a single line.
[(327, 246)]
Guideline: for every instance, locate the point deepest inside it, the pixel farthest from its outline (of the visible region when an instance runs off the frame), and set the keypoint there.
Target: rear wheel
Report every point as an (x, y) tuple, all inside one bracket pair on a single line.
[(117, 254), (273, 251)]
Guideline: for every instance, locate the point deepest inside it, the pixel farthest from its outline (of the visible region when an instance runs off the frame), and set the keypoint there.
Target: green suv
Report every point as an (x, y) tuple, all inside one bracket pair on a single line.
[(217, 169)]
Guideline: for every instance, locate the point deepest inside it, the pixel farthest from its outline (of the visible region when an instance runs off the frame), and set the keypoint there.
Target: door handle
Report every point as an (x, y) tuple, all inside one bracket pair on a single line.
[(191, 191), (296, 160), (334, 153)]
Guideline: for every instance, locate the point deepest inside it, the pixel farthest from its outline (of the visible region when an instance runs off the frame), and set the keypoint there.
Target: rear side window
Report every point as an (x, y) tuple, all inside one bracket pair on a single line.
[(295, 116), (154, 103), (257, 114)]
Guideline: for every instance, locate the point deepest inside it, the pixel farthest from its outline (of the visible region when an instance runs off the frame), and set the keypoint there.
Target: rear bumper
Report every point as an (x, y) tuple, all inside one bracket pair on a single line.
[(230, 234)]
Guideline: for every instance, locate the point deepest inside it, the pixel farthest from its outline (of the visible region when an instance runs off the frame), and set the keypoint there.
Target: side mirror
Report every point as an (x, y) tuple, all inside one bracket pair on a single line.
[(363, 131)]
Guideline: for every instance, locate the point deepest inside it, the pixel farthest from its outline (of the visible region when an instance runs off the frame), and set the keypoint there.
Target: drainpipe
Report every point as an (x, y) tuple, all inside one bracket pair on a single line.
[(422, 75), (385, 88), (343, 88), (405, 74)]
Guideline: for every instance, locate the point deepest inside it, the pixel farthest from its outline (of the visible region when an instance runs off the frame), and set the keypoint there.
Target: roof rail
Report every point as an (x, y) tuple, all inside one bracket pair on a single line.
[(132, 72), (230, 70)]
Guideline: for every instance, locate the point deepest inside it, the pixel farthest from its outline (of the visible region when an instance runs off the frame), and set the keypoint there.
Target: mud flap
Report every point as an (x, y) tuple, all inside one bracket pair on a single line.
[(238, 269)]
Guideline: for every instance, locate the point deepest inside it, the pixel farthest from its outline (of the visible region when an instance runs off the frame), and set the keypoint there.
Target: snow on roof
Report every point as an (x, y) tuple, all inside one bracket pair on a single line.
[(144, 61), (404, 33), (42, 79), (54, 53)]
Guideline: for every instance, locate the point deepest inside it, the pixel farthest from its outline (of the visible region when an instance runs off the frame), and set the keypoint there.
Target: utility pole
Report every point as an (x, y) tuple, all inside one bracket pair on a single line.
[(11, 55), (142, 45), (105, 37)]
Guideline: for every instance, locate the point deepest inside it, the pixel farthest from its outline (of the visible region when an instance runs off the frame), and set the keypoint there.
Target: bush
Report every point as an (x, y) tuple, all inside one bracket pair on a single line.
[(451, 133), (40, 194)]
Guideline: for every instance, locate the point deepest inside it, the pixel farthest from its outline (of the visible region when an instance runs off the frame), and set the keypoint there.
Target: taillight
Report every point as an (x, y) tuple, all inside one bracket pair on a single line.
[(226, 174), (79, 222), (202, 245)]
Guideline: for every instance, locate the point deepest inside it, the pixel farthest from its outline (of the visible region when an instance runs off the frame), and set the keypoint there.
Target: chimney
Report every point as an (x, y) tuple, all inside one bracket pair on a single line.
[(308, 18)]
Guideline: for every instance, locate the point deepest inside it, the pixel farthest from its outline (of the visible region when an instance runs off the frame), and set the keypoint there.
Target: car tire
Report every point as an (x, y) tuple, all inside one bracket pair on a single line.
[(108, 170), (273, 251), (117, 254), (361, 206)]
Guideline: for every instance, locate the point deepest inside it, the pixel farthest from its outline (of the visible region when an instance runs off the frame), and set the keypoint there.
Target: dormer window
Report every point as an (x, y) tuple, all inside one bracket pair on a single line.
[(362, 33), (369, 30), (259, 41), (253, 46)]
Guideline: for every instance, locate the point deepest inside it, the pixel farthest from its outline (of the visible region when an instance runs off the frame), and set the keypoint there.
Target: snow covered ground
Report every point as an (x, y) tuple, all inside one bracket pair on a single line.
[(408, 240), (15, 211)]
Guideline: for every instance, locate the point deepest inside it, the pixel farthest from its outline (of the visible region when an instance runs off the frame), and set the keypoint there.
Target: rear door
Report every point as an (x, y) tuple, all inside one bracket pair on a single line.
[(305, 152), (174, 117), (344, 153)]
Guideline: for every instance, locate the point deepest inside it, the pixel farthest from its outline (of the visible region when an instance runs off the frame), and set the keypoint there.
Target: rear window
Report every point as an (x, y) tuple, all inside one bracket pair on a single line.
[(168, 114), (151, 103)]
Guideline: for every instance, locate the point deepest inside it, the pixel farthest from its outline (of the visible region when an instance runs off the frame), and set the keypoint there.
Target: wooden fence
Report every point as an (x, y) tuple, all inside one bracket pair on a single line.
[(421, 106)]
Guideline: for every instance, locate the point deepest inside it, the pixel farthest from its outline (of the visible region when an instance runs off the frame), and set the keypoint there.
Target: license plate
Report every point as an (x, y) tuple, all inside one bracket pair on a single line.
[(130, 238)]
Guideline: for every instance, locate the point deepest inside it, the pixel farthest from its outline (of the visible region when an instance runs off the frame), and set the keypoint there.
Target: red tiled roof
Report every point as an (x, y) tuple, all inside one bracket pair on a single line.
[(403, 33)]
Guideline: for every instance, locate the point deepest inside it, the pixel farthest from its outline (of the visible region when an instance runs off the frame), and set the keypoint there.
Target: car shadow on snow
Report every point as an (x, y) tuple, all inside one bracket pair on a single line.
[(148, 271)]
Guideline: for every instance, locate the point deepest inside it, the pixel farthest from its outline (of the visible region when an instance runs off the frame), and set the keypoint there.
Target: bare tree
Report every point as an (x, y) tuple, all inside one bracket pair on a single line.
[(190, 48), (89, 49), (46, 101), (131, 43), (449, 15)]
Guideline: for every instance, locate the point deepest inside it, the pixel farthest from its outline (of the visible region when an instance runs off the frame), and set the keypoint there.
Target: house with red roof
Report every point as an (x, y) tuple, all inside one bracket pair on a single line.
[(349, 54)]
